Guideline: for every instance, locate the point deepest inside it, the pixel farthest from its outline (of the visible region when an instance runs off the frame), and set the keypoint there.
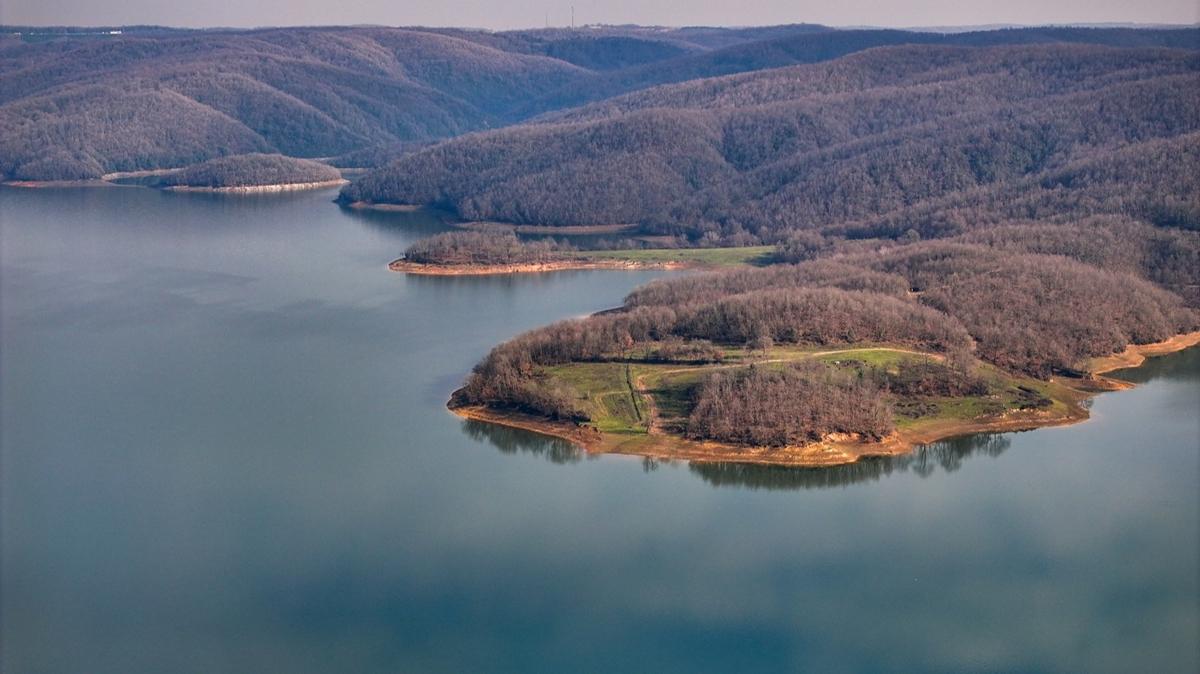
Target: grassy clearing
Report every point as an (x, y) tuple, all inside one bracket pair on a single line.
[(606, 395), (874, 357), (609, 391), (714, 257)]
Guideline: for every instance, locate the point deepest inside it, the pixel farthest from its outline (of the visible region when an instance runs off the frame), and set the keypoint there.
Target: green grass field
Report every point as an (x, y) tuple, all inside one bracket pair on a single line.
[(606, 395)]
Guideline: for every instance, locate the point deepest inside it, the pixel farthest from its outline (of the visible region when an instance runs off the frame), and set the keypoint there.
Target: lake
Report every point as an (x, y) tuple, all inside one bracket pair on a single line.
[(225, 448)]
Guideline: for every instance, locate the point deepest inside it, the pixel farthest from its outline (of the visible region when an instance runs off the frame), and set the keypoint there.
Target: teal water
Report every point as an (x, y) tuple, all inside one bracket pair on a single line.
[(223, 448)]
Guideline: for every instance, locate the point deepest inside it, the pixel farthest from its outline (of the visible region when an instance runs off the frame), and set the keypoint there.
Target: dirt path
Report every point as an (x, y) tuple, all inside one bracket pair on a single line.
[(639, 389)]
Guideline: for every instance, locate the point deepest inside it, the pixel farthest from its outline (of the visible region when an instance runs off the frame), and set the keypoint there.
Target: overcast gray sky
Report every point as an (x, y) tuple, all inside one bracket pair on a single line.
[(499, 14)]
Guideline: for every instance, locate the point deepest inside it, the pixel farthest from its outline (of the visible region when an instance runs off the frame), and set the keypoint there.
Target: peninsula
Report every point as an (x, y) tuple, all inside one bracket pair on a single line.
[(490, 252), (252, 173), (829, 361)]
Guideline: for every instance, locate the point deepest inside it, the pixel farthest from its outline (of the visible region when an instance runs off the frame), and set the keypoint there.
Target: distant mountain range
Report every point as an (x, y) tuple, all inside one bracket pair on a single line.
[(78, 106)]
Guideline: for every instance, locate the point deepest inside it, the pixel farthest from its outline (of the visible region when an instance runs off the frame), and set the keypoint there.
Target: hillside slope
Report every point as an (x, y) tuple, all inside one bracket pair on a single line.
[(77, 106), (844, 144)]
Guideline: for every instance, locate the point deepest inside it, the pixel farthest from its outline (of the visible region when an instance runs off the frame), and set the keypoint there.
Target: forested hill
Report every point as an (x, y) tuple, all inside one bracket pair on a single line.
[(929, 138), (813, 47), (75, 108), (77, 104)]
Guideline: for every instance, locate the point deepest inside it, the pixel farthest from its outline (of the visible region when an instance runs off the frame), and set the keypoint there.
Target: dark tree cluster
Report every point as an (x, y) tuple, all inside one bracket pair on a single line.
[(926, 377), (1035, 312), (1167, 256), (692, 351), (1155, 181), (821, 316), (487, 248), (1041, 314), (801, 403), (252, 169), (819, 274)]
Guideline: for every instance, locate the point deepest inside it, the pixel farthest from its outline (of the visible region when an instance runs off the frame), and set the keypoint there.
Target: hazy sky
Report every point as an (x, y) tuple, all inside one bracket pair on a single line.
[(526, 13)]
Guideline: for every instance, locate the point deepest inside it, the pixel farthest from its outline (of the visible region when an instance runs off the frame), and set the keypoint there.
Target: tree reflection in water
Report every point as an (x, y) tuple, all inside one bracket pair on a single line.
[(924, 461), (513, 440)]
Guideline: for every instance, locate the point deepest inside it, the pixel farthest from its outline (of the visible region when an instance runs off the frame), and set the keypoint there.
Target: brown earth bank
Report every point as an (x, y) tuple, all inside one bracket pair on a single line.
[(1136, 354), (832, 451), (835, 450), (406, 267)]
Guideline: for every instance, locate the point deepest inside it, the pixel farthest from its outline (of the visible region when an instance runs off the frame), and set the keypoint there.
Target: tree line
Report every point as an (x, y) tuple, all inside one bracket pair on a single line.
[(483, 247), (799, 404)]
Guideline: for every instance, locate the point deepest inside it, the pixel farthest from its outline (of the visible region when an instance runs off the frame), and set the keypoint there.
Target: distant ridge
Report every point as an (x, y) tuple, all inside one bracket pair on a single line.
[(80, 106)]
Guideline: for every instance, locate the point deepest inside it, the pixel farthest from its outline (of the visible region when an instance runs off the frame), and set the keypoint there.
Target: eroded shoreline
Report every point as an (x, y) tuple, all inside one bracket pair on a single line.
[(835, 452)]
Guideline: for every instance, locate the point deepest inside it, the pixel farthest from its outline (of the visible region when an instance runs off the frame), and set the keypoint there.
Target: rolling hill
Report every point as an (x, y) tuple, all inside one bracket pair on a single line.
[(871, 144), (77, 106)]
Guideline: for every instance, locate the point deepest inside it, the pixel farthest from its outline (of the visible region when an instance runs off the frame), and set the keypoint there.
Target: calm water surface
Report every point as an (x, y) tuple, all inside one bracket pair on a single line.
[(224, 448)]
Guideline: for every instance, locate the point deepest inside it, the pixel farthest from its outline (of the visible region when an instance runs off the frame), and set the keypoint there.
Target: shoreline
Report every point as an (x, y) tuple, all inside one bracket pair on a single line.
[(44, 184), (834, 452), (107, 181), (420, 269), (1136, 354), (830, 452), (258, 189)]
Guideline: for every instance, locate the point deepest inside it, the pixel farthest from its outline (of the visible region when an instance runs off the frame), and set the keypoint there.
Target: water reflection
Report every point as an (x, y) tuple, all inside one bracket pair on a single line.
[(924, 461), (420, 223), (514, 441)]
